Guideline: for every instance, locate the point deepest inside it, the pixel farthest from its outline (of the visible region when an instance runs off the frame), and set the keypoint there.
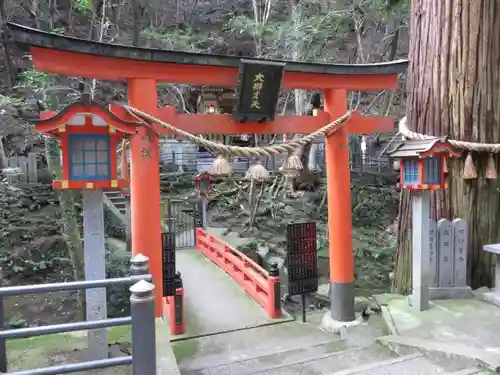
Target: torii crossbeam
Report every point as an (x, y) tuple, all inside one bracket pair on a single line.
[(143, 68)]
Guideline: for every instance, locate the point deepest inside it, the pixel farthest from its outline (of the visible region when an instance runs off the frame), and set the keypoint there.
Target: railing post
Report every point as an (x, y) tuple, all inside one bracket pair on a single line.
[(274, 292), (176, 317), (3, 349), (142, 307), (139, 265)]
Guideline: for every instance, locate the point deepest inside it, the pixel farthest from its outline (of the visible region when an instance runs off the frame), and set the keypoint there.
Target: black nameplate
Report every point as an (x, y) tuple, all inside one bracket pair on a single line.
[(168, 254)]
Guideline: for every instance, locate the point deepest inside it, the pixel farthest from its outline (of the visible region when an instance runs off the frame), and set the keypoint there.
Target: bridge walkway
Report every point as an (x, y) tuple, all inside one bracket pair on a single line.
[(214, 302)]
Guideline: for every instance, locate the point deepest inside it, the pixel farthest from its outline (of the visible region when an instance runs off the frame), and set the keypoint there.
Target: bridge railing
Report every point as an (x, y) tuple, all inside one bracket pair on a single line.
[(263, 286), (142, 320)]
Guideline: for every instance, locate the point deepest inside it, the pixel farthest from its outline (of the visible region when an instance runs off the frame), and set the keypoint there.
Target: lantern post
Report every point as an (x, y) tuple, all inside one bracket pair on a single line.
[(88, 135), (422, 170), (203, 185)]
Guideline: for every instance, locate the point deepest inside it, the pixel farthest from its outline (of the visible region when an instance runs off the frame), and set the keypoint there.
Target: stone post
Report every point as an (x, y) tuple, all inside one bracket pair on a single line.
[(95, 269), (420, 250), (142, 307)]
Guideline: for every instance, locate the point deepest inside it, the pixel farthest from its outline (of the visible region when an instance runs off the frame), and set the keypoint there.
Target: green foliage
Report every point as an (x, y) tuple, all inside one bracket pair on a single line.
[(83, 6), (374, 206), (59, 30), (9, 100), (26, 214), (36, 80), (114, 227), (117, 265), (43, 85), (47, 89), (29, 232), (179, 39)]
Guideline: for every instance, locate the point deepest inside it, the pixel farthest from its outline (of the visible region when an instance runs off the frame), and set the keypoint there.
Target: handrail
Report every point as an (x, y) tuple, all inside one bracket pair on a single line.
[(142, 320), (23, 333), (72, 285), (261, 285)]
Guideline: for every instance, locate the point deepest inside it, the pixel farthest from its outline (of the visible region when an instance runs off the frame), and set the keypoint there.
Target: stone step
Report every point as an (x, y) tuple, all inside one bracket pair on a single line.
[(301, 349), (326, 359), (470, 371), (412, 364), (117, 199), (287, 348), (442, 352), (318, 359), (248, 344), (113, 193)]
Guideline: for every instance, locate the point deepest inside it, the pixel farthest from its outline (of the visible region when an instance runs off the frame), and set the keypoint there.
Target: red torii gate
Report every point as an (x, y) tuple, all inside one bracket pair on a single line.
[(143, 68)]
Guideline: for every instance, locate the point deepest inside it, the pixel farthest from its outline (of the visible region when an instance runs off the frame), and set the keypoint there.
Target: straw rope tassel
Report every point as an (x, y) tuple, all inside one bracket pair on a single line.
[(220, 166), (257, 172), (491, 168), (469, 168)]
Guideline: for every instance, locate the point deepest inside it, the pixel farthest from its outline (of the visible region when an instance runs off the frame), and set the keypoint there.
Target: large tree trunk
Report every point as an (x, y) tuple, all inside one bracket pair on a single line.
[(453, 89)]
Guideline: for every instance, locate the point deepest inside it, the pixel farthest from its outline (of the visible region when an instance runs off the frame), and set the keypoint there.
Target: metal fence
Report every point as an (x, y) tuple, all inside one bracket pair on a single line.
[(197, 162), (142, 321)]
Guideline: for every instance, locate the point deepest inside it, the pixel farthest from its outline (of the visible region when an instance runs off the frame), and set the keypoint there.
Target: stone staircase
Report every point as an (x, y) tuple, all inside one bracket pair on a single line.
[(118, 200), (292, 348)]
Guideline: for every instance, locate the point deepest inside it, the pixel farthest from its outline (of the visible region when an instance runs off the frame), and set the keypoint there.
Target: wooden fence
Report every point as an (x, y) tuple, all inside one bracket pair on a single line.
[(448, 259), (22, 169)]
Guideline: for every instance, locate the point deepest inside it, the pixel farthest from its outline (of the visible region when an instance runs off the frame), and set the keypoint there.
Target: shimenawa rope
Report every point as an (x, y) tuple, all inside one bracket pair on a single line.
[(461, 145), (243, 151)]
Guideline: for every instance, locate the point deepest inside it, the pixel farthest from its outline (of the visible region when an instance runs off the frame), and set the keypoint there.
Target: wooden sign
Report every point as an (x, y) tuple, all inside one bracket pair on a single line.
[(302, 258), (258, 90)]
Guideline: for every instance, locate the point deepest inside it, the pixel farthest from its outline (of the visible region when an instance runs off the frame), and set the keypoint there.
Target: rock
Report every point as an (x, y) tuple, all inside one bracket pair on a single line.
[(274, 258), (262, 251), (221, 216), (266, 235)]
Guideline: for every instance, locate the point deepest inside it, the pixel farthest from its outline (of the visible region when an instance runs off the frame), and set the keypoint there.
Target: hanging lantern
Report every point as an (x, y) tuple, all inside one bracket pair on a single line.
[(220, 167), (211, 109), (203, 183)]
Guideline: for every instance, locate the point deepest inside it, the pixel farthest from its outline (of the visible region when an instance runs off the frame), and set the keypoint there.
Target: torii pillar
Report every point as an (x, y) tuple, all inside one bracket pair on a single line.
[(145, 184), (338, 176)]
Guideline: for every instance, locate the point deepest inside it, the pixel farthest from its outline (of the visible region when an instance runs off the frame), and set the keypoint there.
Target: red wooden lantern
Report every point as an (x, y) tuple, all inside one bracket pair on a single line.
[(203, 183), (422, 163), (89, 135)]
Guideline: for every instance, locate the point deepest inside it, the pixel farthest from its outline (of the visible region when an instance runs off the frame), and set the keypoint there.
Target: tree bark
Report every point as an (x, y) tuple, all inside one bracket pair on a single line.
[(5, 50), (3, 157), (454, 89)]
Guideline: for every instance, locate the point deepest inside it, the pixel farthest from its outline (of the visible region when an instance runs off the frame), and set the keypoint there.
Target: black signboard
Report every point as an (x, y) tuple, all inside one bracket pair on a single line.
[(198, 214), (302, 258), (258, 90), (168, 250)]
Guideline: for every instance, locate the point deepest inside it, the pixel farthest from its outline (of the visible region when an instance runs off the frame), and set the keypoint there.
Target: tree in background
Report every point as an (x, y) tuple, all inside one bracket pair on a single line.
[(454, 90)]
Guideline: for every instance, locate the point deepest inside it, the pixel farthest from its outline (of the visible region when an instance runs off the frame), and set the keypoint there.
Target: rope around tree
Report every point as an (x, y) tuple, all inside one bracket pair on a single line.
[(469, 172), (461, 145)]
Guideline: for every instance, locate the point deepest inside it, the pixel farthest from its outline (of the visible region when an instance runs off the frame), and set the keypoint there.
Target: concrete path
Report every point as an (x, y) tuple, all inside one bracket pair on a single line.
[(214, 302)]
